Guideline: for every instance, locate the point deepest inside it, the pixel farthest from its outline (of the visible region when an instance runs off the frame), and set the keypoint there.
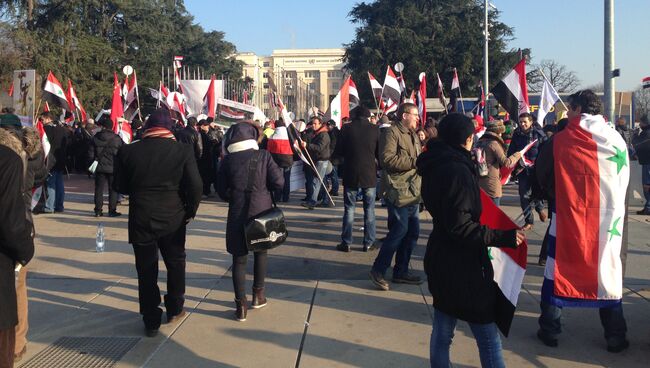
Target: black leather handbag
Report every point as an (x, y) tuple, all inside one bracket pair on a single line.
[(266, 230)]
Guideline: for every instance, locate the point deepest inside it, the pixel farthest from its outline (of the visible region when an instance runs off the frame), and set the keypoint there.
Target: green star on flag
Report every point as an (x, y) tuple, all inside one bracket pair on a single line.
[(335, 112), (620, 158), (614, 231), (490, 253)]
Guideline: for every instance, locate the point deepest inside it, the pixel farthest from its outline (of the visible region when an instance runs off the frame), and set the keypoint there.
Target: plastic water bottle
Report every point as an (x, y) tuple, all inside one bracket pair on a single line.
[(99, 241)]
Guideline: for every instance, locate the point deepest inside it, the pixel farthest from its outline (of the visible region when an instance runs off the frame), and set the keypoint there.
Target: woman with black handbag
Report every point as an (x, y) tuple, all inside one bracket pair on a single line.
[(246, 178)]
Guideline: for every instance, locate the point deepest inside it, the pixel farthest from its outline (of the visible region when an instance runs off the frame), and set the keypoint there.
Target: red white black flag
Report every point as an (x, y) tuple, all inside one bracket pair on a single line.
[(209, 100), (512, 90), (53, 92)]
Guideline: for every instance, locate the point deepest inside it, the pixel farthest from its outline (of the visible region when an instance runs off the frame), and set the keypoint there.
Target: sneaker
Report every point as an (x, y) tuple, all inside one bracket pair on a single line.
[(114, 214), (177, 317), (543, 215), (643, 212), (334, 194), (342, 247), (99, 213), (379, 281), (369, 247), (548, 341), (307, 205), (407, 279), (151, 332), (259, 300)]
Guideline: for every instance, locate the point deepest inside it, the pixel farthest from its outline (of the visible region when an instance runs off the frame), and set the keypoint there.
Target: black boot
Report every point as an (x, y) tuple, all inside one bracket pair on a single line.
[(242, 309), (259, 300)]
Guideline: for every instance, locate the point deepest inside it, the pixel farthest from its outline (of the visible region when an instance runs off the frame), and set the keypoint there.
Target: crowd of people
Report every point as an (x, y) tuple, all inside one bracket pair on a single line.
[(409, 163)]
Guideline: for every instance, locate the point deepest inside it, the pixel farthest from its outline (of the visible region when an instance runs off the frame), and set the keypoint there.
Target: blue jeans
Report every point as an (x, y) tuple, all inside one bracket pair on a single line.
[(403, 232), (55, 192), (645, 178), (611, 319), (349, 199), (334, 178), (525, 190), (497, 201), (486, 335), (321, 167)]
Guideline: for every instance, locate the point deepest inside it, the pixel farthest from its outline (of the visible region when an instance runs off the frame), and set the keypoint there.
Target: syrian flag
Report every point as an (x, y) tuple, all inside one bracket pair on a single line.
[(340, 105), (117, 109), (354, 94), (584, 266), (53, 92), (131, 99), (455, 92), (480, 102), (548, 98), (422, 98), (646, 82), (506, 172), (376, 87), (176, 102), (209, 100), (38, 192), (512, 91), (126, 133), (391, 93), (177, 61), (509, 264), (74, 101), (279, 146), (411, 98), (441, 93)]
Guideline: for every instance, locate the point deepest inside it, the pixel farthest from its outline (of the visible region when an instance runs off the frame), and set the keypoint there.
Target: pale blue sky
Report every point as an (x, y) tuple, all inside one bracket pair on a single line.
[(569, 31)]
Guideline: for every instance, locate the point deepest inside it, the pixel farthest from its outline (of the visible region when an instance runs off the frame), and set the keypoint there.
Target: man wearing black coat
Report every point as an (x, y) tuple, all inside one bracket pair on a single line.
[(103, 149), (526, 133), (164, 187), (190, 136), (16, 243), (58, 137), (211, 143), (358, 146), (319, 150)]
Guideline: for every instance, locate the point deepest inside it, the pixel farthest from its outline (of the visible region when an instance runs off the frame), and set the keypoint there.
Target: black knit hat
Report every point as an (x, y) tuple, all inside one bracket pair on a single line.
[(159, 119), (454, 129)]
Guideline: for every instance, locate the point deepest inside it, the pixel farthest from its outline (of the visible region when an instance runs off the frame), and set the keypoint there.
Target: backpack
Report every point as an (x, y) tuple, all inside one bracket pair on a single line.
[(478, 153)]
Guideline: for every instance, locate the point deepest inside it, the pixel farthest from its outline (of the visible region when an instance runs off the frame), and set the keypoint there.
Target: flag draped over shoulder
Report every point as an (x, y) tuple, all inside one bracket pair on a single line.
[(585, 237), (512, 90), (509, 264)]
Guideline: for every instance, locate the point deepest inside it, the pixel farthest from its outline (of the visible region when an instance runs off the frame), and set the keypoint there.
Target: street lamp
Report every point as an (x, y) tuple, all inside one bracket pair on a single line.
[(486, 80)]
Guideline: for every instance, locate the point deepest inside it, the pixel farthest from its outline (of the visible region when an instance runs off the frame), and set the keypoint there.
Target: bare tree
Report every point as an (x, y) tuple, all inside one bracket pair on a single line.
[(597, 88), (563, 79), (642, 102)]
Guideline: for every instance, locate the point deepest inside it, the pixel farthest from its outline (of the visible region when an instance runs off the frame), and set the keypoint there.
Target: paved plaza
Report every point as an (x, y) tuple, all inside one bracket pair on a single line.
[(323, 310)]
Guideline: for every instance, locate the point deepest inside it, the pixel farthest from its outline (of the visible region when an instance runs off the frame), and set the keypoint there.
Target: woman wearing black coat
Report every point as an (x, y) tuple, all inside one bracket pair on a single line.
[(232, 181), (459, 271)]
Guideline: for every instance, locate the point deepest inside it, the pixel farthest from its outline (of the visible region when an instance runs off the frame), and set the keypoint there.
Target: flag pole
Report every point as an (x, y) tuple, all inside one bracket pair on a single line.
[(137, 94), (549, 82), (36, 111), (460, 92)]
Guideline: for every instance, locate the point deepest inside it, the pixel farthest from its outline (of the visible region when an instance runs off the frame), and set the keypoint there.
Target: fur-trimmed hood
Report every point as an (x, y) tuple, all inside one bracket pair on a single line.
[(28, 138), (11, 141)]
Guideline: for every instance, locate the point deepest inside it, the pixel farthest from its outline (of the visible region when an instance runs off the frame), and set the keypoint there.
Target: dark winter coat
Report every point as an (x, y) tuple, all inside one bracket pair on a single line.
[(495, 158), (358, 147), (520, 139), (334, 134), (624, 132), (16, 241), (211, 148), (59, 138), (641, 143), (163, 183), (104, 149), (319, 146), (458, 268), (191, 137), (232, 180)]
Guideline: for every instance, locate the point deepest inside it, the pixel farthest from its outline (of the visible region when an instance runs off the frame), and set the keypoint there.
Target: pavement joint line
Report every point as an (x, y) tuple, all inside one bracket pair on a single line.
[(304, 333), (178, 325), (637, 293), (100, 294)]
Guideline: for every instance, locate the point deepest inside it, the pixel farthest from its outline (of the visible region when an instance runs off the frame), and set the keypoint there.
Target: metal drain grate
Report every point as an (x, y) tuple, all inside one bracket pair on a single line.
[(81, 352)]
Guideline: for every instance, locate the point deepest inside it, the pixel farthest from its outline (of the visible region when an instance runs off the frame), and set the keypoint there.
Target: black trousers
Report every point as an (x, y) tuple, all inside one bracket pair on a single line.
[(100, 179), (239, 273), (172, 249)]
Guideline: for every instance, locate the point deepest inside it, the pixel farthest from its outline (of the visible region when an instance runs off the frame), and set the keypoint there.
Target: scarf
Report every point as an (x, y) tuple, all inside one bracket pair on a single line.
[(243, 146), (158, 132)]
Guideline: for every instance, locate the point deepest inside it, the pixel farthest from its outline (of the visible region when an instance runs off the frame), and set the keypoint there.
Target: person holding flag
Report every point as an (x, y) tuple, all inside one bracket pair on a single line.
[(59, 138), (457, 260), (585, 172)]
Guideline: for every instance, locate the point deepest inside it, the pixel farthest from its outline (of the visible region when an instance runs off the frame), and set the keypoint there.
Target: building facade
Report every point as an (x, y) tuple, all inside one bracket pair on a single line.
[(303, 77)]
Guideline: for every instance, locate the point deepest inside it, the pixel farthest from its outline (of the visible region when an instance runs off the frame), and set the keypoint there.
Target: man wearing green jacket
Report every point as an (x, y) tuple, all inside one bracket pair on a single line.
[(399, 148)]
